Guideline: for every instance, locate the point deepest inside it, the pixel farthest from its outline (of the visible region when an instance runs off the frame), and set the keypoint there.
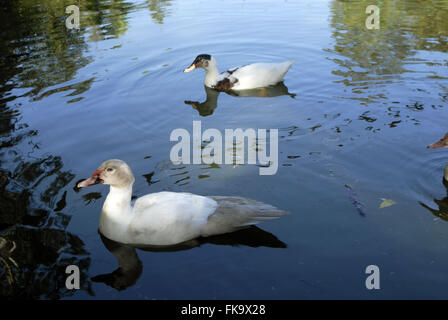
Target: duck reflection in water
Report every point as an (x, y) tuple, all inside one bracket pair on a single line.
[(442, 211), (207, 107), (130, 267)]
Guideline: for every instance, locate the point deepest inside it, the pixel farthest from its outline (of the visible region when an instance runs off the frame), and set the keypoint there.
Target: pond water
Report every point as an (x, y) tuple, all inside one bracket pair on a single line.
[(355, 114)]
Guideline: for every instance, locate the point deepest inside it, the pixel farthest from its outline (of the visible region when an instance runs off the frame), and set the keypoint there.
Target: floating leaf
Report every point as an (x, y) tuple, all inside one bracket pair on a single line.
[(387, 203)]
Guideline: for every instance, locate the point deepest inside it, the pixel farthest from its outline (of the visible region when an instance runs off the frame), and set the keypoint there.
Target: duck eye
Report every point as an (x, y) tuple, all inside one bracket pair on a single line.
[(109, 169)]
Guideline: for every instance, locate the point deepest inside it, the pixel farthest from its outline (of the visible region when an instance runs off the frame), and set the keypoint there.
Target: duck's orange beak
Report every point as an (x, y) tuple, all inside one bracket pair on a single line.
[(94, 179), (190, 68)]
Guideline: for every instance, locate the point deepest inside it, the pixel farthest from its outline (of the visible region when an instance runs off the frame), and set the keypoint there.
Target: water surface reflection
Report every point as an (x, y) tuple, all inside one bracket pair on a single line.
[(370, 61), (207, 107), (130, 267)]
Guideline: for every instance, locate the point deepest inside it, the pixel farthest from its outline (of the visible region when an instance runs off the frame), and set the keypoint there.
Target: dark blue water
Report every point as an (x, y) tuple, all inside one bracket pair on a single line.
[(363, 106)]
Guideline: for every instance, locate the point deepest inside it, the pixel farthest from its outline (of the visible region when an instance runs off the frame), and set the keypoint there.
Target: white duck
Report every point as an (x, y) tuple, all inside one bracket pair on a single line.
[(167, 218), (251, 76)]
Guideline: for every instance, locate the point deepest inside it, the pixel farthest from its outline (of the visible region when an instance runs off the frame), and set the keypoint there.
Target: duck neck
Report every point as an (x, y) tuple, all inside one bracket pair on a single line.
[(116, 213), (211, 76), (445, 173)]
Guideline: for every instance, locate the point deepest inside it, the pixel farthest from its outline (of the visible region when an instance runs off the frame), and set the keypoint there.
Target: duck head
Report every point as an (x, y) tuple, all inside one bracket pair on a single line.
[(204, 61), (442, 143), (115, 173)]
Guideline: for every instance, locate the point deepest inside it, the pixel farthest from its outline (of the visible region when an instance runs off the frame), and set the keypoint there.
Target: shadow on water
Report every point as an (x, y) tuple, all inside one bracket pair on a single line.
[(130, 267), (207, 107)]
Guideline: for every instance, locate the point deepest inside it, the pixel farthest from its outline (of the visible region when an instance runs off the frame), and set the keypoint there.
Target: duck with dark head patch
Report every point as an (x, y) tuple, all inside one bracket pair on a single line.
[(256, 75)]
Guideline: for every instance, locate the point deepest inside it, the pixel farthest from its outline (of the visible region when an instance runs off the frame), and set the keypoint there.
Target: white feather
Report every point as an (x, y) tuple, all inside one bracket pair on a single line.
[(260, 75)]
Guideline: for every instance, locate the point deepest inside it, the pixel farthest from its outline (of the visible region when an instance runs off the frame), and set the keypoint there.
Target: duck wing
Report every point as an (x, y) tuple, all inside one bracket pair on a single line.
[(258, 75), (226, 81), (233, 213)]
